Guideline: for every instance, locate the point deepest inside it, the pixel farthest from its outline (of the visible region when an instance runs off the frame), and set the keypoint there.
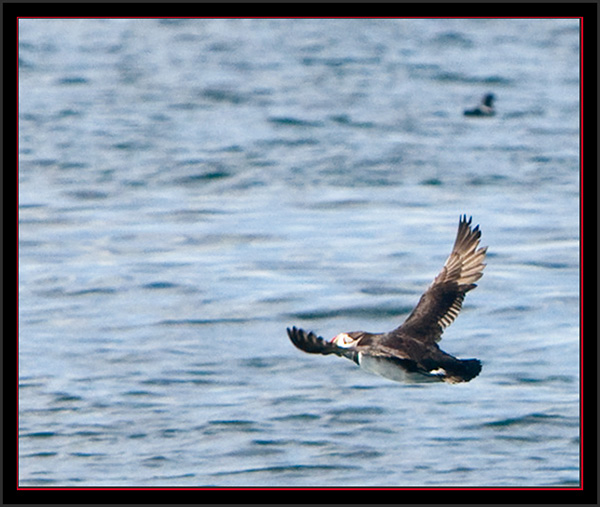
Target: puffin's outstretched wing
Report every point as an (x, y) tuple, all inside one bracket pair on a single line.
[(442, 301), (313, 344)]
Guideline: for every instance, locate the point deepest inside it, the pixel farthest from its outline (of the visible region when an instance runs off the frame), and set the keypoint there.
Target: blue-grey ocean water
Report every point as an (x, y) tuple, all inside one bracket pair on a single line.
[(190, 188)]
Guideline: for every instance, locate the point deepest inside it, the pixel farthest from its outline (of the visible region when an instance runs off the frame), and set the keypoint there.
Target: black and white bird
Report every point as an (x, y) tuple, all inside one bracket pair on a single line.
[(486, 108), (410, 353)]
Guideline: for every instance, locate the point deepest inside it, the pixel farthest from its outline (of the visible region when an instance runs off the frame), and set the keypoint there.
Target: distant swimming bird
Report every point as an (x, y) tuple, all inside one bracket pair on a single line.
[(486, 108), (410, 352)]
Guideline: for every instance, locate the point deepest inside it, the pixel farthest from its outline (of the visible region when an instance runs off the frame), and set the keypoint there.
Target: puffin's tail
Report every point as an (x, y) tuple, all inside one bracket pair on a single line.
[(462, 371)]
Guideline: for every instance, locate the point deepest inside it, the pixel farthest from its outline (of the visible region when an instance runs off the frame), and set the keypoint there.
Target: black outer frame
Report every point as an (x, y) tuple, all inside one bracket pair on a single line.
[(587, 11)]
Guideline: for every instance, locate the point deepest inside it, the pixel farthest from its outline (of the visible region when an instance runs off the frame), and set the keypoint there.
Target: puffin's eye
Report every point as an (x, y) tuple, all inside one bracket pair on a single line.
[(343, 340)]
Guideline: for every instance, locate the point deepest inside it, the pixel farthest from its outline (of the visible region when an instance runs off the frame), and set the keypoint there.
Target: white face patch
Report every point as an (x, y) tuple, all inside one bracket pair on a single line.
[(343, 340)]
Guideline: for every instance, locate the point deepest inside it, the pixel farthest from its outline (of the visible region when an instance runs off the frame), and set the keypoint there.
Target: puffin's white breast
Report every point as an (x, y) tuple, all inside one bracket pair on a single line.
[(391, 370)]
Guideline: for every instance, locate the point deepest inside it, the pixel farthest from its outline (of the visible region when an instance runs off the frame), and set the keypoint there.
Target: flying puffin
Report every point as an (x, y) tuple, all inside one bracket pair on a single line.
[(410, 353), (486, 108)]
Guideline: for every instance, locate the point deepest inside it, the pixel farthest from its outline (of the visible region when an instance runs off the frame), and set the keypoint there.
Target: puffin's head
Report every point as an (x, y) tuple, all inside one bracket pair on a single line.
[(345, 340), (488, 100)]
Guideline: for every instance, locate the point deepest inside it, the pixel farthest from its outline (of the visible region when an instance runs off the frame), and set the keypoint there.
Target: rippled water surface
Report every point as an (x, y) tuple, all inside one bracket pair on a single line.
[(190, 188)]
